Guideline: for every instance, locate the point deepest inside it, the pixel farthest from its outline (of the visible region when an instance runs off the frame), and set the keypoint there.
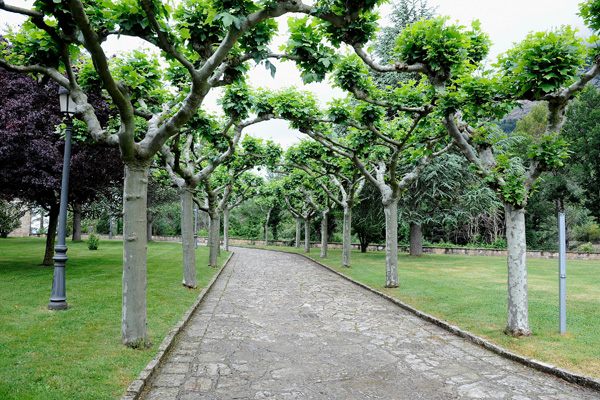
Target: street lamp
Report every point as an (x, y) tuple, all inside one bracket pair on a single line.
[(58, 298)]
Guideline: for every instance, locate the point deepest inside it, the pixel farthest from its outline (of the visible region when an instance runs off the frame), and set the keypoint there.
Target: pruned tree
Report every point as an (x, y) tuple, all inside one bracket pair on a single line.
[(218, 186), (376, 147), (194, 154), (298, 203), (269, 200), (208, 44), (544, 67), (338, 178), (245, 187)]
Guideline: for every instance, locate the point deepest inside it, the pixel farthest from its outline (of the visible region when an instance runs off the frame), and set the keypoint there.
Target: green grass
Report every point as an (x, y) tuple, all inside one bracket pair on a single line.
[(77, 353), (471, 292)]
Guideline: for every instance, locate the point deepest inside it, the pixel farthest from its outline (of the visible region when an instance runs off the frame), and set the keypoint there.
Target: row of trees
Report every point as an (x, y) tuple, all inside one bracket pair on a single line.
[(407, 107)]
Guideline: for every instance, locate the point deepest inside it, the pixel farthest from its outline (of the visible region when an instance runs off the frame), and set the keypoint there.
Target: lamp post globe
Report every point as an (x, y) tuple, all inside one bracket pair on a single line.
[(58, 298)]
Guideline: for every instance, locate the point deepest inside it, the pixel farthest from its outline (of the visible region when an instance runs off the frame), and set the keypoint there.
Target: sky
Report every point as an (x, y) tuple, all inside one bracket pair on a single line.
[(506, 22)]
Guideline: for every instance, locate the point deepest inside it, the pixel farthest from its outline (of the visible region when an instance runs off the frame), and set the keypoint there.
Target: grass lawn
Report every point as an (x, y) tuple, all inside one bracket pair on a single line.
[(77, 353), (471, 292)]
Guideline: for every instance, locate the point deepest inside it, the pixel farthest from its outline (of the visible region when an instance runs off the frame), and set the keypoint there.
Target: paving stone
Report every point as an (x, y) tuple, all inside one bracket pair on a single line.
[(278, 326)]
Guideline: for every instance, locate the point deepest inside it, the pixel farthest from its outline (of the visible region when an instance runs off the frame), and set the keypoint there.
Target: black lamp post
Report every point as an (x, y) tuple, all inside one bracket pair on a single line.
[(58, 299)]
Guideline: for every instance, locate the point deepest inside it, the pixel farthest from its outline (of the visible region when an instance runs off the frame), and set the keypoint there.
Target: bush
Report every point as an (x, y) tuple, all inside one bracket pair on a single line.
[(587, 247), (93, 242), (588, 232), (499, 243)]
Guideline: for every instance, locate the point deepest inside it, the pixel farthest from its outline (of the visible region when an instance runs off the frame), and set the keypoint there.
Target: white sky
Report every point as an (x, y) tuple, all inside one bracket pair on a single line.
[(506, 22)]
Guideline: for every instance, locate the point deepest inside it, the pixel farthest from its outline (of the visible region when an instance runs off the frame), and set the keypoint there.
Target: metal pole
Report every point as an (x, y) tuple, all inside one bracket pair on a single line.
[(58, 298), (562, 274), (110, 229), (196, 226)]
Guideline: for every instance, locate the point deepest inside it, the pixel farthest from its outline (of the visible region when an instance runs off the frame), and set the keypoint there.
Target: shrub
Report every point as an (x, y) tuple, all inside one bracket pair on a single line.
[(93, 242), (588, 232), (499, 243), (587, 247)]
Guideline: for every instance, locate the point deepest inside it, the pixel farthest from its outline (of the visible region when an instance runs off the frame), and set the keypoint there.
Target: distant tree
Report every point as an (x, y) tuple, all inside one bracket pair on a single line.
[(582, 132), (243, 188), (368, 220), (161, 197), (10, 216), (338, 179), (404, 13), (534, 124), (270, 203), (508, 125), (446, 194)]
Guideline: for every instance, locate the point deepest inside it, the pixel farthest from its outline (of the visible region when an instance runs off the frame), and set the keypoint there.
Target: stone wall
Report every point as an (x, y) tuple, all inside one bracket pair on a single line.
[(571, 255), (23, 230), (464, 251)]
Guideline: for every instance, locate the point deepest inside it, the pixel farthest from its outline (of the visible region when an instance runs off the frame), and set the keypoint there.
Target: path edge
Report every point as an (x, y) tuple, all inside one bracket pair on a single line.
[(136, 387), (569, 376)]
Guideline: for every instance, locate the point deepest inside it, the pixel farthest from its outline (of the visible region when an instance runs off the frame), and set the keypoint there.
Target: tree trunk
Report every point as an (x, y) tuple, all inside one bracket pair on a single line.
[(306, 235), (298, 232), (416, 239), (518, 309), (208, 233), (213, 252), (267, 227), (391, 244), (76, 223), (364, 243), (226, 229), (324, 235), (134, 331), (187, 239), (51, 234), (347, 237), (148, 227)]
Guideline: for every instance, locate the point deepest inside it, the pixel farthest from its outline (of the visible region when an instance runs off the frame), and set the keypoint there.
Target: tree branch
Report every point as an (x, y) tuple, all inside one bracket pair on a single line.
[(126, 133), (22, 11), (395, 67), (163, 41)]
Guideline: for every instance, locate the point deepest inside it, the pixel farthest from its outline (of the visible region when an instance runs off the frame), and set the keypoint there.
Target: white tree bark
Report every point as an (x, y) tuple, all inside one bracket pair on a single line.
[(187, 238), (307, 235), (324, 234), (215, 239), (134, 330), (391, 244), (298, 222), (267, 227), (416, 239), (226, 229), (208, 232), (518, 308), (346, 236)]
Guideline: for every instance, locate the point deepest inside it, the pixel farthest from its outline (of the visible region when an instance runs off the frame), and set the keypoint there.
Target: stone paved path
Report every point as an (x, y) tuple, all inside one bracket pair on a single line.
[(277, 326)]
